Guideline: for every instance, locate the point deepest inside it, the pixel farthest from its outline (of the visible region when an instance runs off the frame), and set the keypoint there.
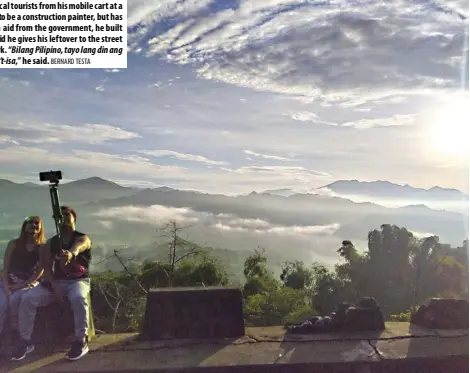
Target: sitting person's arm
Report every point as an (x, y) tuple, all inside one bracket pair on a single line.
[(46, 261), (6, 267), (80, 245), (35, 276), (38, 272)]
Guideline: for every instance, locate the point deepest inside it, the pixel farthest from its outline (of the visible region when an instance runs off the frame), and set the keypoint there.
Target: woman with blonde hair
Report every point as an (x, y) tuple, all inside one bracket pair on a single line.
[(21, 266)]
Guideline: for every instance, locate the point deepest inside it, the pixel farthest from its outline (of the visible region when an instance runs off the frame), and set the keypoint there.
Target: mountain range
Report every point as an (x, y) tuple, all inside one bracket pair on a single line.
[(389, 194), (308, 226), (390, 190)]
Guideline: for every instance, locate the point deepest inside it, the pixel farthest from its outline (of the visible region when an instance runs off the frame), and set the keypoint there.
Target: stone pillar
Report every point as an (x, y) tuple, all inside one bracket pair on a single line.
[(180, 313)]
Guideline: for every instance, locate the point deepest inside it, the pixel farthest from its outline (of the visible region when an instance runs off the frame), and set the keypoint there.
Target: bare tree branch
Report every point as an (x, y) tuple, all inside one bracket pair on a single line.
[(106, 293), (172, 230), (167, 274), (118, 293), (116, 310), (193, 252), (129, 272), (105, 296)]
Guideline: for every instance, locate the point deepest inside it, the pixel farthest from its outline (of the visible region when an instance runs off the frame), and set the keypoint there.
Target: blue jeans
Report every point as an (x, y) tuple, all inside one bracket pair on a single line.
[(15, 299), (76, 290)]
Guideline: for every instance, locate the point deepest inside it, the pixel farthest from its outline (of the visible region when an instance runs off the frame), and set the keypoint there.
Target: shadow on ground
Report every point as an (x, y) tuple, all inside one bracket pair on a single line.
[(426, 351), (399, 348), (119, 353), (327, 348)]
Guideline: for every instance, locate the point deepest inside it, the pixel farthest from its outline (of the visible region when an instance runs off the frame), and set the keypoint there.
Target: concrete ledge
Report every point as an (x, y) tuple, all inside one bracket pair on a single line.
[(400, 348), (449, 364)]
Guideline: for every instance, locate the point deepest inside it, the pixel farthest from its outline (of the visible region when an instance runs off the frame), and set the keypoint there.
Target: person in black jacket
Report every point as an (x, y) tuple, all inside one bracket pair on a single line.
[(66, 273)]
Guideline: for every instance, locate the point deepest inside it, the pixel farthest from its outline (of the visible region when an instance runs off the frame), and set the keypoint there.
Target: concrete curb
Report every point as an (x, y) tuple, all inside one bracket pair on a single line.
[(447, 364)]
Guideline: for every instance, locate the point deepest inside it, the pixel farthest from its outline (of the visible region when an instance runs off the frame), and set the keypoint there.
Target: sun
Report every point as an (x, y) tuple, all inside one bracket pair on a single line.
[(450, 128)]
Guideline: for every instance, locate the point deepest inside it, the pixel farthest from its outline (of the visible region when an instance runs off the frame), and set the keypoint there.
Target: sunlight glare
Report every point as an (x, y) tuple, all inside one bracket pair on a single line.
[(450, 130)]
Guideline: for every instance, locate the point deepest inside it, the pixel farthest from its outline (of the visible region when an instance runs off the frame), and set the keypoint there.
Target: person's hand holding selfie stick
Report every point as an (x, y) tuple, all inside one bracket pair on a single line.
[(66, 257)]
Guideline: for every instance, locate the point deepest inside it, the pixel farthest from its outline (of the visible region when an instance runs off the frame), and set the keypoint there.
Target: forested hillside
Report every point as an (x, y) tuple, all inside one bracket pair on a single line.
[(398, 269)]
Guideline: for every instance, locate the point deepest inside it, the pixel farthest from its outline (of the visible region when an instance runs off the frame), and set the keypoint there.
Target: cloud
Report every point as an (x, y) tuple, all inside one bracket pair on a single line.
[(313, 230), (265, 156), (95, 162), (35, 132), (82, 163), (297, 173), (147, 11), (304, 116), (157, 214), (325, 191), (334, 51), (106, 223), (181, 156), (441, 204), (7, 140), (313, 75), (396, 120), (421, 235), (308, 242), (149, 215)]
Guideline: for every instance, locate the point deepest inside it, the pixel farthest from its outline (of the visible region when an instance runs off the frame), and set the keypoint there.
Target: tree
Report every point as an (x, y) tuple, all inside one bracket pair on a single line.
[(114, 301), (296, 275), (200, 272), (196, 271), (155, 274), (256, 265), (348, 251), (440, 270), (423, 262), (259, 278), (276, 307), (388, 267), (328, 289), (118, 306), (178, 248)]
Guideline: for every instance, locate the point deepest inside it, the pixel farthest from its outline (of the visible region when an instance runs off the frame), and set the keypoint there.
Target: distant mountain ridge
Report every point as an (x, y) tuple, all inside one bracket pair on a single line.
[(94, 181), (373, 187), (391, 190), (302, 224), (388, 194)]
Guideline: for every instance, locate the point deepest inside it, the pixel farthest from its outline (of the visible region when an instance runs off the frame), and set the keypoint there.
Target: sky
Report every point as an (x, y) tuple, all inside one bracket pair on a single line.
[(231, 96)]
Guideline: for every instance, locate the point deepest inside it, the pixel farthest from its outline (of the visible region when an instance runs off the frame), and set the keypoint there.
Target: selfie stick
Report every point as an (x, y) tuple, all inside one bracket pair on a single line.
[(56, 212), (53, 177)]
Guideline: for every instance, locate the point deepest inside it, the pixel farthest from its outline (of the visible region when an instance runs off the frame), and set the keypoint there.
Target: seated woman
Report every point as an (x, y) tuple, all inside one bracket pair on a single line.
[(21, 267)]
